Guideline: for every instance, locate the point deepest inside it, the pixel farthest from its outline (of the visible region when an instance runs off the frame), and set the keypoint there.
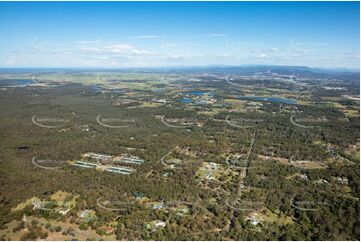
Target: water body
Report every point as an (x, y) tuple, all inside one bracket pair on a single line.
[(186, 100), (268, 99), (22, 83), (96, 88), (197, 93)]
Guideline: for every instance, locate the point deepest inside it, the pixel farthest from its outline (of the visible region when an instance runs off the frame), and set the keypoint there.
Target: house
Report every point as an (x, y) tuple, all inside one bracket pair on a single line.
[(343, 180), (182, 211), (155, 224), (321, 181), (159, 223), (64, 212), (97, 156), (108, 229), (254, 221), (87, 215), (138, 195), (303, 176), (37, 204), (157, 205)]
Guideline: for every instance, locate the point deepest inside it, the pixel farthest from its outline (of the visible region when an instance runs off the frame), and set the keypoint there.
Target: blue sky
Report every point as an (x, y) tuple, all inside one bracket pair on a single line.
[(145, 34)]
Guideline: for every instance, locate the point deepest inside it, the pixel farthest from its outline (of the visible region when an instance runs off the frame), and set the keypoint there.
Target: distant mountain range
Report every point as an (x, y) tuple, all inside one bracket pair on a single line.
[(216, 69)]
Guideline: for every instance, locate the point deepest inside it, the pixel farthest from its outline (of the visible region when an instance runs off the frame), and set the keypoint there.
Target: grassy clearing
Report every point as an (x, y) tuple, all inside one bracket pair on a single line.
[(215, 172), (150, 105), (351, 113), (23, 205), (275, 217), (354, 151), (65, 225), (304, 164)]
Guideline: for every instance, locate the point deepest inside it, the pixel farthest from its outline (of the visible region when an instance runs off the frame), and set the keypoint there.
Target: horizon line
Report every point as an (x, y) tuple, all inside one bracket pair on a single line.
[(188, 66)]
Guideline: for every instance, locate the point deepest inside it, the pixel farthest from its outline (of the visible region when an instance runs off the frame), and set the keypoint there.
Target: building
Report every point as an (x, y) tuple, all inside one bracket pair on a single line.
[(85, 164), (125, 158), (138, 195), (97, 156), (121, 170)]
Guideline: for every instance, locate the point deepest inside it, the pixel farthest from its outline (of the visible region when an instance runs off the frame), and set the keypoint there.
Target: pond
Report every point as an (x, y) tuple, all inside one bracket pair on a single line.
[(96, 88), (24, 82), (197, 93), (186, 100), (268, 99)]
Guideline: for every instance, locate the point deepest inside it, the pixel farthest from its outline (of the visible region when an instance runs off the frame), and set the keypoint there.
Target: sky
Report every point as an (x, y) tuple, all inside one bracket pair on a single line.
[(160, 34)]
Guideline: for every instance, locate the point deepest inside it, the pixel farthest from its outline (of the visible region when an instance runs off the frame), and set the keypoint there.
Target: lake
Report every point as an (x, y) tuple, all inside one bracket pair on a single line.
[(23, 83), (96, 88), (268, 99), (186, 100)]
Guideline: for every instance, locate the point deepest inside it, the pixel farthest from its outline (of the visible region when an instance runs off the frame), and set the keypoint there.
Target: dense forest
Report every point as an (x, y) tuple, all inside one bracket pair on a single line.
[(272, 182)]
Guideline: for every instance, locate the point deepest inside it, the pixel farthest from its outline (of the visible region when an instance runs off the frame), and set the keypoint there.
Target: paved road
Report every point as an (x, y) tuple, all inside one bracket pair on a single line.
[(244, 172), (242, 176)]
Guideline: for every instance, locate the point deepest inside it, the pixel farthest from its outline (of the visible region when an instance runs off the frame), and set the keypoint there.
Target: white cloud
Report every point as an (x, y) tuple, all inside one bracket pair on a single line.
[(99, 53), (165, 45), (10, 62), (119, 49), (264, 55)]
